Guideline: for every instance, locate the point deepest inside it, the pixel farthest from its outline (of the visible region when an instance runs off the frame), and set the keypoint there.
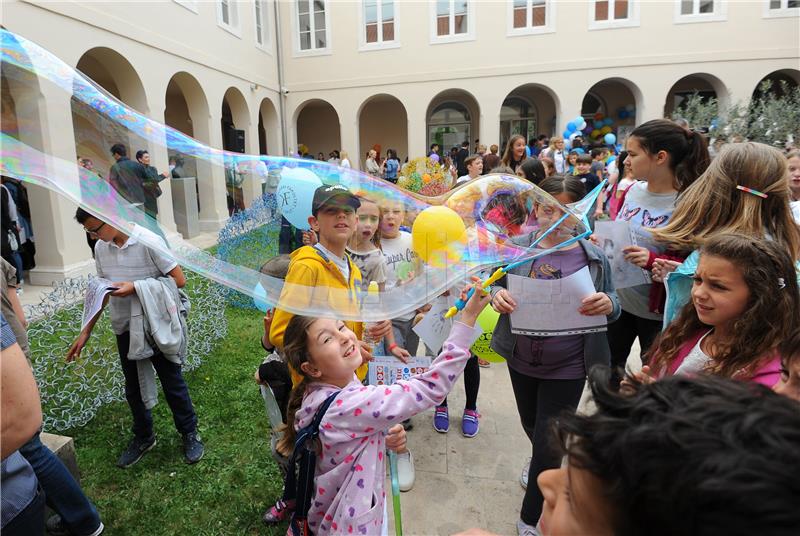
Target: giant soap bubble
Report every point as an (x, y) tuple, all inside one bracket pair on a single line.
[(493, 208)]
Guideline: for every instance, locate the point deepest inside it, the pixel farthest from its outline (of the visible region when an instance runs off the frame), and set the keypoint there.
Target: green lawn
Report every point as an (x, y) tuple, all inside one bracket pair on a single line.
[(223, 494)]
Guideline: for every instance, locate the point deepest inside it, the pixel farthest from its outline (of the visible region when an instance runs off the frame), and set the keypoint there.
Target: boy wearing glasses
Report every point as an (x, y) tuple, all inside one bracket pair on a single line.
[(123, 260)]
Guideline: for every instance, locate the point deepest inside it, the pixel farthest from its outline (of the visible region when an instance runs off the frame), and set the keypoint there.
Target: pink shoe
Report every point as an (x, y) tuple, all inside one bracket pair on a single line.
[(281, 511)]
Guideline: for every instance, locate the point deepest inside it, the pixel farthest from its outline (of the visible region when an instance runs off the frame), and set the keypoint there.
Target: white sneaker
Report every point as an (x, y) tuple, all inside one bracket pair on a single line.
[(405, 471), (523, 529), (523, 477)]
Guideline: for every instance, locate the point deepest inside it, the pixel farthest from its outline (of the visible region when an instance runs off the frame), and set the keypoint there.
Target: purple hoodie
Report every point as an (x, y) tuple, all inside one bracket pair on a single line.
[(351, 470)]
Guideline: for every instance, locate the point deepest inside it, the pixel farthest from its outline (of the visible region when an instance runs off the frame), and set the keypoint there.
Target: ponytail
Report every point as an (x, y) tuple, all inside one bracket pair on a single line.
[(695, 162), (688, 149), (285, 444)]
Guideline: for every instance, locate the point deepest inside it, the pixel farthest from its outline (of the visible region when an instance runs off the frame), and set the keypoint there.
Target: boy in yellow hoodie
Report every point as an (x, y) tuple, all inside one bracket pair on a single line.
[(323, 273)]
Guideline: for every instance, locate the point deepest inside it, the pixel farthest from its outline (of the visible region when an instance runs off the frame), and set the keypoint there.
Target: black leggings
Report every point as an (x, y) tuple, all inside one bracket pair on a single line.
[(472, 382), (538, 402), (621, 335)]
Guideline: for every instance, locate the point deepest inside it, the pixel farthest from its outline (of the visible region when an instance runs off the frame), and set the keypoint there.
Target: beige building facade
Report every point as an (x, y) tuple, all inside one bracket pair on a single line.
[(263, 76)]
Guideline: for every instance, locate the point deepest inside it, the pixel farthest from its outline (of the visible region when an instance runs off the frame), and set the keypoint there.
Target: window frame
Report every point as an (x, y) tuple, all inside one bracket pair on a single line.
[(632, 21), (719, 14), (191, 5), (781, 12), (234, 28), (469, 35), (363, 46), (298, 52), (266, 25), (549, 25)]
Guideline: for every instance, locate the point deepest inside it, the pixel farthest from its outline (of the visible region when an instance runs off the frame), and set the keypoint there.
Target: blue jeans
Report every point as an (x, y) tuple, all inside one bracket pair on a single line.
[(62, 492), (175, 389)]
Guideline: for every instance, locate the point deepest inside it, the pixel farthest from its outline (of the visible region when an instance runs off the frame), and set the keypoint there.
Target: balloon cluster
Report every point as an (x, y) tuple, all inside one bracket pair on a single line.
[(598, 127)]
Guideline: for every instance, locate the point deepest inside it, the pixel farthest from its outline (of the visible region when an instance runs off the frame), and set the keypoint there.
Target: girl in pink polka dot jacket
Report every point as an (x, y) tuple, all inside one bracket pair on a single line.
[(350, 470)]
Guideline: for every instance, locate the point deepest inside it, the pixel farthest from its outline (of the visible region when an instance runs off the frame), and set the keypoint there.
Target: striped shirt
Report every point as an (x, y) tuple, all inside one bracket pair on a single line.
[(131, 262)]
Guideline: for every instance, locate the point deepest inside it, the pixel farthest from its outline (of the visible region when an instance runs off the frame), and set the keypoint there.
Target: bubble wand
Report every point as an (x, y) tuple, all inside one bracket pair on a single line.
[(581, 209)]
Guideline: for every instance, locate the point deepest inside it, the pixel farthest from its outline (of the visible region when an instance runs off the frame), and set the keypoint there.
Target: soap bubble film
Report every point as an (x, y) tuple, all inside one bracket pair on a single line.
[(277, 191)]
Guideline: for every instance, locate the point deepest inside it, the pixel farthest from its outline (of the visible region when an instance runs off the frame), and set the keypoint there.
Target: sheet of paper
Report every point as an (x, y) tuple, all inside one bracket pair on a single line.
[(96, 291), (613, 237), (549, 307), (434, 328), (387, 370)]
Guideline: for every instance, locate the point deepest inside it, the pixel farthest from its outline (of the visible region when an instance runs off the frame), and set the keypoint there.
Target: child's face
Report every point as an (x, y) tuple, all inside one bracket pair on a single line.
[(583, 167), (334, 223), (639, 161), (574, 503), (368, 218), (519, 148), (476, 167), (789, 384), (794, 177), (99, 230), (719, 293), (334, 352), (572, 159), (392, 219), (547, 215)]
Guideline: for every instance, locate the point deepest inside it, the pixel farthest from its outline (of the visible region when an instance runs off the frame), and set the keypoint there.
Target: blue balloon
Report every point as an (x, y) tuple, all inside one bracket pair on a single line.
[(566, 134), (608, 121), (260, 298), (295, 195), (571, 126), (610, 139), (578, 120), (579, 150)]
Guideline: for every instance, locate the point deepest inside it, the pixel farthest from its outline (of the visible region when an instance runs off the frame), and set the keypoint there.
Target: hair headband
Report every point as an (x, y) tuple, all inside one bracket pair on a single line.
[(751, 191)]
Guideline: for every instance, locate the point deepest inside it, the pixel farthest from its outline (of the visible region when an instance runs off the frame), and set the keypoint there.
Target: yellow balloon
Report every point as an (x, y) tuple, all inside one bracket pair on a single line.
[(438, 235), (605, 130), (596, 133)]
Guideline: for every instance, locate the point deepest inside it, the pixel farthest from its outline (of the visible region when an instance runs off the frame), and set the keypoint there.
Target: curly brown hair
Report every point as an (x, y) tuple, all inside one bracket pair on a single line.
[(771, 314)]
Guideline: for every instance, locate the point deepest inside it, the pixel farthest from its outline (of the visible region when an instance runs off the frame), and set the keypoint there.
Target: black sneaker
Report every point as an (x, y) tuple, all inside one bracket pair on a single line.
[(193, 448), (55, 527), (136, 449)]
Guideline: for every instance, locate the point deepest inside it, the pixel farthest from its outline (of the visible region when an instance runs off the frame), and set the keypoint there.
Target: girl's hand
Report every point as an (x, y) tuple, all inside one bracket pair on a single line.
[(596, 304), (503, 302), (480, 298), (599, 213), (257, 378), (396, 438), (366, 352), (401, 353), (381, 329), (644, 376), (662, 268), (309, 238), (636, 255)]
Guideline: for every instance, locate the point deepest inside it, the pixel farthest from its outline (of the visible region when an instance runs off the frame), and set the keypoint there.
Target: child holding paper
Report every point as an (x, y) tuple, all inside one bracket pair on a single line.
[(548, 373)]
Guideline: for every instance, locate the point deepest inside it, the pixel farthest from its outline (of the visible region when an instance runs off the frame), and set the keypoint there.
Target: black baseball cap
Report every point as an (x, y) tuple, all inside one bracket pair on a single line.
[(324, 194)]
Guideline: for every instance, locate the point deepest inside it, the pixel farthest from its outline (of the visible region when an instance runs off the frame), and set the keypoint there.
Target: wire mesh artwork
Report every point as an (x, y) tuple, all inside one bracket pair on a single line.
[(250, 238), (72, 393)]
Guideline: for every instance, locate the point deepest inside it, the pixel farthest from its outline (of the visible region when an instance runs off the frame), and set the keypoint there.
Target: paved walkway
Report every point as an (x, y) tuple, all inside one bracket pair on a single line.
[(464, 483)]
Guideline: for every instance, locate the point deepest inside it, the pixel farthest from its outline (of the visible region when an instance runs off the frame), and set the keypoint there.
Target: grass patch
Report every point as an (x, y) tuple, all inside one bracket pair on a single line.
[(227, 491)]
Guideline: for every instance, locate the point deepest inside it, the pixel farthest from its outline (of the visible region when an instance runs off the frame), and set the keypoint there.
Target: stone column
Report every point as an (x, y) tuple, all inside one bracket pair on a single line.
[(348, 134), (61, 248), (211, 180)]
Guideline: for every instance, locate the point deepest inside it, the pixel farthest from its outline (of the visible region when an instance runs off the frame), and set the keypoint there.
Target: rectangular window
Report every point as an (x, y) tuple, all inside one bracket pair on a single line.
[(261, 20), (228, 16), (700, 10), (379, 24), (529, 13), (782, 8), (312, 25), (452, 17), (613, 14)]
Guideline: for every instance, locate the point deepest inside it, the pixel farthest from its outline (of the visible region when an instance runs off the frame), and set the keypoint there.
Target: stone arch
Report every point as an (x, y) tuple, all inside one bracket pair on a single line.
[(235, 120), (529, 110), (452, 117), (704, 84), (383, 121), (269, 135), (617, 100), (318, 128)]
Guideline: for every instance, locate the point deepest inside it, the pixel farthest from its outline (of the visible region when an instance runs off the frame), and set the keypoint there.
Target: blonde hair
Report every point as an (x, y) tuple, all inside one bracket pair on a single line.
[(553, 141), (713, 204)]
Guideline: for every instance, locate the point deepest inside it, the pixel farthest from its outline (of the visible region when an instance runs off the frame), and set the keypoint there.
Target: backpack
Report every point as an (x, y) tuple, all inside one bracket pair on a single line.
[(298, 485)]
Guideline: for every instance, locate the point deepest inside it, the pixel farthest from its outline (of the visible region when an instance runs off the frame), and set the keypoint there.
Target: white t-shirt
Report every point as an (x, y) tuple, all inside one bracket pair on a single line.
[(795, 205), (401, 260), (696, 360), (341, 263)]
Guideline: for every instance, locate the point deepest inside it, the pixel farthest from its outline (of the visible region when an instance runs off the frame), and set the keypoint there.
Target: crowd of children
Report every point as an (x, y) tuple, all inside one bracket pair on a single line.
[(695, 442)]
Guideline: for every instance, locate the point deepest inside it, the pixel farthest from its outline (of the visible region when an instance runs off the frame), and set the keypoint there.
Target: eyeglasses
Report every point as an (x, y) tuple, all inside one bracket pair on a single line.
[(93, 232)]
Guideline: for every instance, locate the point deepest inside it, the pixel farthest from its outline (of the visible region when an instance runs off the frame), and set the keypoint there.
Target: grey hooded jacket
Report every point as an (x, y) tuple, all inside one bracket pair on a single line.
[(595, 345)]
